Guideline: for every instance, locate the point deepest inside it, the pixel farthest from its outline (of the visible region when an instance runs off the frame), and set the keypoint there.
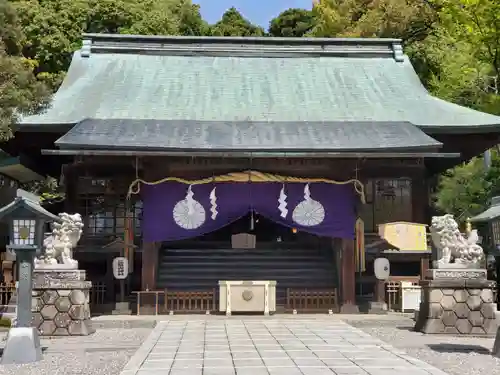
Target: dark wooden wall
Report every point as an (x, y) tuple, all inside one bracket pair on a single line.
[(93, 183)]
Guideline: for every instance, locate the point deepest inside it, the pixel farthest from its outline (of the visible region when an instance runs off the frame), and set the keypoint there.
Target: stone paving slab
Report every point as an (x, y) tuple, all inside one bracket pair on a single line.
[(268, 347)]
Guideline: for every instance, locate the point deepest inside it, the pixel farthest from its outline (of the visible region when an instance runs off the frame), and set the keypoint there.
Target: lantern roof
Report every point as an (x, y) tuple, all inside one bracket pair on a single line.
[(119, 244), (23, 204), (493, 212)]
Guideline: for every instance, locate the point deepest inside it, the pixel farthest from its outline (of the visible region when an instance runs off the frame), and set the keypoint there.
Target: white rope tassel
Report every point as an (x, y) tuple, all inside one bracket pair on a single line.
[(190, 201), (213, 202), (282, 203)]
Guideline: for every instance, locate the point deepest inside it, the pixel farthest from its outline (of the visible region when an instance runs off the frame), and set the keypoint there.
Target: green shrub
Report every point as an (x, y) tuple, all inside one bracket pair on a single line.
[(5, 322)]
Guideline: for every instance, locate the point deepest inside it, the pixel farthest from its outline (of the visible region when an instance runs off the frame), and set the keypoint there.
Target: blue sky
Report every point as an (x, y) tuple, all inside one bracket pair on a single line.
[(258, 11)]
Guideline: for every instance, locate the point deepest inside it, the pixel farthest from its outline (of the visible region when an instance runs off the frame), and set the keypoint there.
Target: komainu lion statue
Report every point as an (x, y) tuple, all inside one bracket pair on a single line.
[(453, 250), (58, 247)]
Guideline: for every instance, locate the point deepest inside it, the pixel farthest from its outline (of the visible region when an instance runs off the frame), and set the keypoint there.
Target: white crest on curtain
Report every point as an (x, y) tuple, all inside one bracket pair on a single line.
[(282, 203), (213, 204), (309, 212), (189, 213)]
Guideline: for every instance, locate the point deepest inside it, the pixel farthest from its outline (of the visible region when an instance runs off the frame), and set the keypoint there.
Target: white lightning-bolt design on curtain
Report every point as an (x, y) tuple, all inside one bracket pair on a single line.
[(190, 201), (213, 203), (307, 193), (282, 203)]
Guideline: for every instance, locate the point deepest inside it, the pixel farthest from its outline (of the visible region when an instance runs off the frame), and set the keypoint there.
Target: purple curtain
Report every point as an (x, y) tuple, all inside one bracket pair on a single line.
[(174, 211)]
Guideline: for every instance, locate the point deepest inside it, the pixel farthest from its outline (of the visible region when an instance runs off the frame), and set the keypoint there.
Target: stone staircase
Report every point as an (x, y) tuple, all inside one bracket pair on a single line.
[(200, 269)]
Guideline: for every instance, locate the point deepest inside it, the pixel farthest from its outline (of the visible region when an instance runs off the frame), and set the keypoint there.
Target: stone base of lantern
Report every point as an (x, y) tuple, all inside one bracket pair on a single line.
[(60, 303), (453, 303)]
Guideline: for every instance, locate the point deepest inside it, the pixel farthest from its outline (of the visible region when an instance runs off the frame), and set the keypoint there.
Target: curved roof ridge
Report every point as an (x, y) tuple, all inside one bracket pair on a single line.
[(241, 46)]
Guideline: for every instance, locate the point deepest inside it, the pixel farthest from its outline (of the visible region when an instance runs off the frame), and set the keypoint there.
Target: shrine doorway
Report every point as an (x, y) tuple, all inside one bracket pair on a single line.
[(250, 248)]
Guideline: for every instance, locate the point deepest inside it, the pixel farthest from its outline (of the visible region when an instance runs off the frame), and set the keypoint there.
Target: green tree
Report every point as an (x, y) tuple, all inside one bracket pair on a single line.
[(463, 190), (407, 19), (54, 28), (233, 23), (466, 190), (467, 47), (475, 25), (20, 92), (292, 22)]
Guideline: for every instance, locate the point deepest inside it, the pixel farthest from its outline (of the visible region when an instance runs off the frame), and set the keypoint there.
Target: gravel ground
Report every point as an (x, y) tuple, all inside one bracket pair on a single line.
[(106, 352), (453, 354)]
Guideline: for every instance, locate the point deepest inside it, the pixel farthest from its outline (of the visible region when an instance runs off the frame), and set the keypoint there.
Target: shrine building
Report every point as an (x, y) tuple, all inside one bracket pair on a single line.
[(219, 158)]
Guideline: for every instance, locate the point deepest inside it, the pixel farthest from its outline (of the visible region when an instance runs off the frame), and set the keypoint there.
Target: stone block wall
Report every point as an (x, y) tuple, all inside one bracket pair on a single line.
[(60, 307), (457, 307)]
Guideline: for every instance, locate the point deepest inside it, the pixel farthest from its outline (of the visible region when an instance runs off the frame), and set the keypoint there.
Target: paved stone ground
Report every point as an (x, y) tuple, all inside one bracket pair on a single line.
[(118, 338), (269, 346)]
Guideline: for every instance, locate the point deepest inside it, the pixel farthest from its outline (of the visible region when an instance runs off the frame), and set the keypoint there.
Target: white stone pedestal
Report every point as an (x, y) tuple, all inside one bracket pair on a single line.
[(121, 308), (22, 346), (247, 296)]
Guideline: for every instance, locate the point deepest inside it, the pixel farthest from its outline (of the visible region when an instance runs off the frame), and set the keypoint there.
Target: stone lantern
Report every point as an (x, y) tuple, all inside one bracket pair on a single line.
[(27, 220)]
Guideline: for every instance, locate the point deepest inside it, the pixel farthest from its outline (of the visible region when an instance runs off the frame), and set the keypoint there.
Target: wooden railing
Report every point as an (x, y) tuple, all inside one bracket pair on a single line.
[(311, 300), (190, 302), (6, 292), (97, 295), (154, 302)]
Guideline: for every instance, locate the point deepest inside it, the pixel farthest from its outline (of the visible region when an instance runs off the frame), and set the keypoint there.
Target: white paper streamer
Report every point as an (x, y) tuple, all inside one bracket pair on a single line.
[(213, 202), (282, 203), (307, 193), (190, 201)]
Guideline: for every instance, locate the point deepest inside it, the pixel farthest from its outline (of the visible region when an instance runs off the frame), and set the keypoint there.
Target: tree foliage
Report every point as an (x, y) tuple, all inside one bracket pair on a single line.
[(292, 22), (466, 190), (20, 92), (469, 66), (407, 19), (454, 46), (54, 28), (233, 23)]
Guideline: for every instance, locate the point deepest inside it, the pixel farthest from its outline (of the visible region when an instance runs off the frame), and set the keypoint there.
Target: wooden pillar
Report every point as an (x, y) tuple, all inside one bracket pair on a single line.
[(424, 266), (149, 265), (71, 189), (419, 199), (109, 278), (348, 278)]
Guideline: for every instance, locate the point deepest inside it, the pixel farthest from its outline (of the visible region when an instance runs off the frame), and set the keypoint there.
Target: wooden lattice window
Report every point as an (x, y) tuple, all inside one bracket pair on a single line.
[(103, 217), (387, 200), (101, 202)]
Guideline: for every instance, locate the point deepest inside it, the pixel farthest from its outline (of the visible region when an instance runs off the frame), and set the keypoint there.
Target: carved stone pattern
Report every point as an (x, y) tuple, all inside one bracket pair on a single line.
[(24, 272), (58, 247), (464, 275), (62, 275), (452, 249), (457, 311), (247, 295), (62, 312)]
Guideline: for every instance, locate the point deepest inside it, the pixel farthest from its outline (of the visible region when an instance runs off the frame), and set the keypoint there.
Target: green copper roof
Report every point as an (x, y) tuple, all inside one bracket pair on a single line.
[(492, 213), (23, 203), (250, 79)]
